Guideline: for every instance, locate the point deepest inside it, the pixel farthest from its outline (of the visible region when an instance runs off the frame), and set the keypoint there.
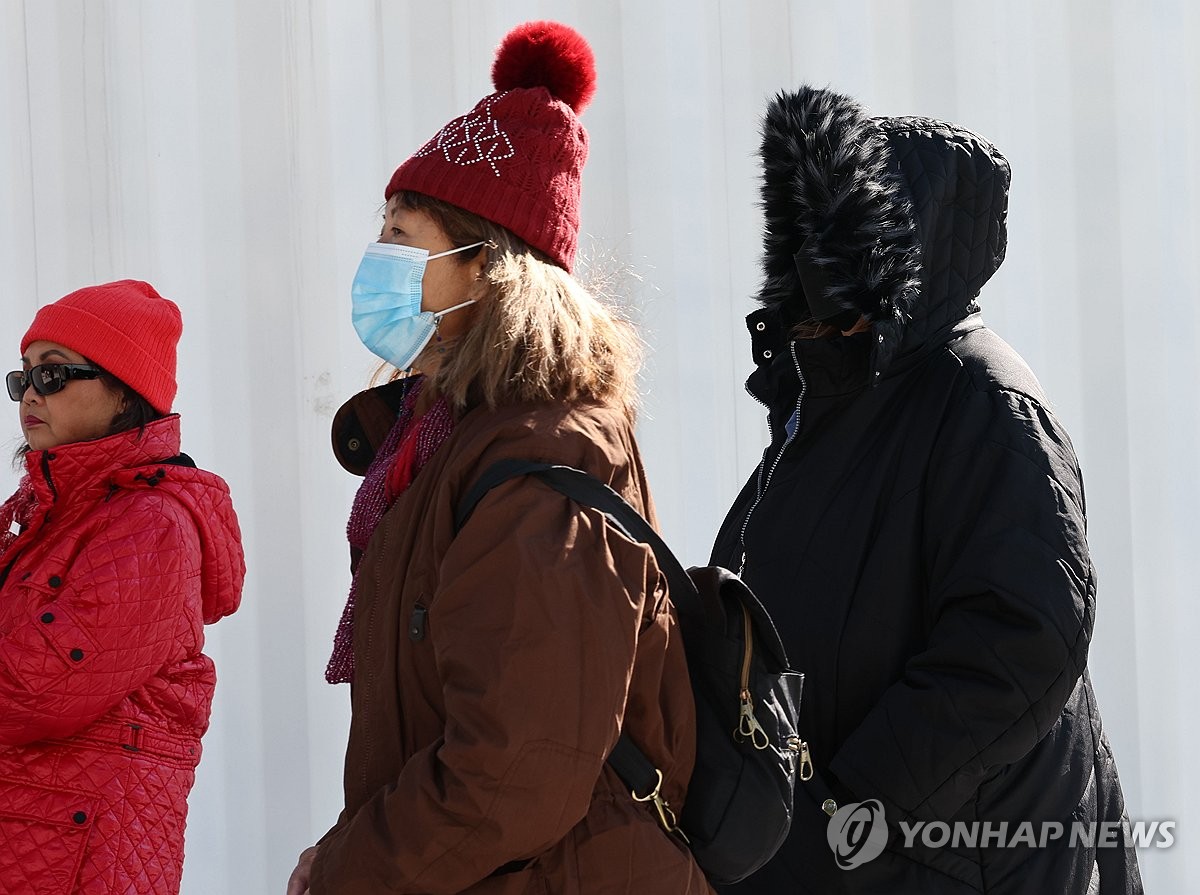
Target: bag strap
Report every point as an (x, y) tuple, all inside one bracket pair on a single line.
[(631, 764), (587, 491)]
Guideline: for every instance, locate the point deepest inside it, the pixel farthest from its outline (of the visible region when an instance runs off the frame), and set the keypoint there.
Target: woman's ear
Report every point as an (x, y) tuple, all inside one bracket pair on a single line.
[(478, 265)]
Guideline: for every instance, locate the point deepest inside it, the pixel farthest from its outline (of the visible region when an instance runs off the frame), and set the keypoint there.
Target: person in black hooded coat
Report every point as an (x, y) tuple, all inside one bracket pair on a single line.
[(917, 525)]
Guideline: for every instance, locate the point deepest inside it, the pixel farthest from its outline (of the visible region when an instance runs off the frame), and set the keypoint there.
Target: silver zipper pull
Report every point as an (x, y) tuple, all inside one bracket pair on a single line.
[(806, 765), (748, 727)]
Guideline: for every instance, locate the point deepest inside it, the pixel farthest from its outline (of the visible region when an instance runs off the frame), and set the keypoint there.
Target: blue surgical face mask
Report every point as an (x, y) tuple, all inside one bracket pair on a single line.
[(386, 301)]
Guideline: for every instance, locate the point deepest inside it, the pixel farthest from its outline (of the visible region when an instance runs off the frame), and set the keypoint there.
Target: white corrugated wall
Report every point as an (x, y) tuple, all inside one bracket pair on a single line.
[(234, 153)]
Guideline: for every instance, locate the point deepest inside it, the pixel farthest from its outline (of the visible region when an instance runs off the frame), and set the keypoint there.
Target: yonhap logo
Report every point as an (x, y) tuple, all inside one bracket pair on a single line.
[(857, 833)]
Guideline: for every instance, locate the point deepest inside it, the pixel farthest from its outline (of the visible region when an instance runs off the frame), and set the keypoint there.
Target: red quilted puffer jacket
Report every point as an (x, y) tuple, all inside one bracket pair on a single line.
[(104, 690)]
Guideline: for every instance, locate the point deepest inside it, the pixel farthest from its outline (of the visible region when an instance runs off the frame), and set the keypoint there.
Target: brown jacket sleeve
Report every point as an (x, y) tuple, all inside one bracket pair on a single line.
[(535, 627)]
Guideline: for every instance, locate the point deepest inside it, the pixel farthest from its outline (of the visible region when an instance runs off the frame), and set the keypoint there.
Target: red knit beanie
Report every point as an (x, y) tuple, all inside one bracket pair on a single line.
[(126, 327), (516, 158)]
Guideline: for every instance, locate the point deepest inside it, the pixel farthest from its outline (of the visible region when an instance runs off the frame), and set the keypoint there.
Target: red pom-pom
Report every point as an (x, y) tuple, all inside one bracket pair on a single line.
[(550, 55)]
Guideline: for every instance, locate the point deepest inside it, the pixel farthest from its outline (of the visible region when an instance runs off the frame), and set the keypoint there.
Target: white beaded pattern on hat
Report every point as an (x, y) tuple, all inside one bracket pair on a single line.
[(480, 132)]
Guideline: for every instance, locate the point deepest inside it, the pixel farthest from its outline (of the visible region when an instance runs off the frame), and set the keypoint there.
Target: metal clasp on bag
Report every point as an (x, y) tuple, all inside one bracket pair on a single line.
[(666, 816)]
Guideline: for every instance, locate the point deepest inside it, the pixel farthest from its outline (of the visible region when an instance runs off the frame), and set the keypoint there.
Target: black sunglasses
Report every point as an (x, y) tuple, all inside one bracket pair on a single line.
[(47, 379)]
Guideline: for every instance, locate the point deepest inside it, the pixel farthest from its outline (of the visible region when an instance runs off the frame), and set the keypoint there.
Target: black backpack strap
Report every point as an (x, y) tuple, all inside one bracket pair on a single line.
[(589, 492), (498, 472), (633, 767), (631, 764)]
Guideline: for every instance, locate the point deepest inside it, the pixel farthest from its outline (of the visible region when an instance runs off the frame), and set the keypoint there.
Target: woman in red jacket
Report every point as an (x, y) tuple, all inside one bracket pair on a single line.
[(115, 551)]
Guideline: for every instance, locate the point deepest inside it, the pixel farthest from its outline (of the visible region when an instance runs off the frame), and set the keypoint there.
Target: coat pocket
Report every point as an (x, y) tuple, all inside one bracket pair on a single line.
[(47, 647), (43, 833)]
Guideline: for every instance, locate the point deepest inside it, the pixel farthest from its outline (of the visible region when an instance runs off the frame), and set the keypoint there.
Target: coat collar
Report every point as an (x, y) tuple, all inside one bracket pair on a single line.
[(70, 471), (362, 424), (831, 367)]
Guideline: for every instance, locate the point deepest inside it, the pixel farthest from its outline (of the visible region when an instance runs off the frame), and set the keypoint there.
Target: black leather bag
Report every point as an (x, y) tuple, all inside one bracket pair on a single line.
[(748, 753)]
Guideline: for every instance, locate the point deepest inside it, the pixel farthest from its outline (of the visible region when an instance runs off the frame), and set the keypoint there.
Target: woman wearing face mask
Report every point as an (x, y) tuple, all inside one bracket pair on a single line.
[(494, 666), (115, 551)]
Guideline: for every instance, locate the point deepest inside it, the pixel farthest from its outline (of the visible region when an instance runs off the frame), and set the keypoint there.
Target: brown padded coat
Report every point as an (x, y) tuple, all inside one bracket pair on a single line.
[(495, 668)]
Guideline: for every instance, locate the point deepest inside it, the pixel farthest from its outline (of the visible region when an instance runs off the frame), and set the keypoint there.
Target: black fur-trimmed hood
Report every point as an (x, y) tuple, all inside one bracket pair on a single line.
[(898, 219)]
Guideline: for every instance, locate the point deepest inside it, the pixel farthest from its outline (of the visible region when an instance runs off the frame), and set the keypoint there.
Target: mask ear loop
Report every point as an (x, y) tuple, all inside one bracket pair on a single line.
[(473, 245), (438, 315), (437, 319)]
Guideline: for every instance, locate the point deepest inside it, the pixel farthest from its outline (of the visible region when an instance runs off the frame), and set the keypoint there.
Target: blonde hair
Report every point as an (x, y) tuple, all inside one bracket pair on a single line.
[(538, 334)]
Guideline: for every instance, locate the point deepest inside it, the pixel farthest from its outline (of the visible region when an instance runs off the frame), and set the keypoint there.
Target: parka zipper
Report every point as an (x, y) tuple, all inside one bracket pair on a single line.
[(763, 485), (749, 726)]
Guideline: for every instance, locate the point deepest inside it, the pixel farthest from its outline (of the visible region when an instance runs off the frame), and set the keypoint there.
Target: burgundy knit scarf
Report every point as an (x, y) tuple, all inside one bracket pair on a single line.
[(408, 447)]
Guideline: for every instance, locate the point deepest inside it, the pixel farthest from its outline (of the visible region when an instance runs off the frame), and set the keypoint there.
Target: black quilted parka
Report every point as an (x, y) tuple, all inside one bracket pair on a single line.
[(917, 525)]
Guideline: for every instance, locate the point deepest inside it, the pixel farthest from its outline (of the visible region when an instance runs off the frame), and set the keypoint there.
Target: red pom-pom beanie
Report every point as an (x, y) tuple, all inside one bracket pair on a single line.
[(126, 327), (516, 158)]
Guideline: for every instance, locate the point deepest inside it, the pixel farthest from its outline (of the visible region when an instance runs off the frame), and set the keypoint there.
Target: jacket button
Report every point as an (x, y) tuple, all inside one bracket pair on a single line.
[(47, 617), (829, 806), (767, 354), (55, 581), (76, 654), (354, 444), (79, 817), (760, 326)]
